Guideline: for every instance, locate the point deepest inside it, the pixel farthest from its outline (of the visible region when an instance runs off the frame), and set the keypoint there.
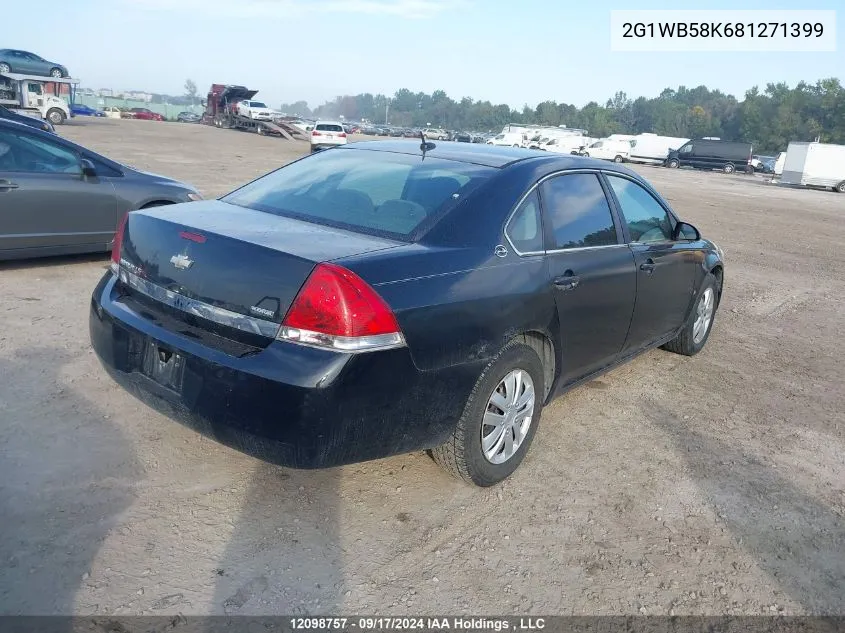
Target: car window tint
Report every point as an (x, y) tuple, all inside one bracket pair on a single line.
[(326, 127), (577, 211), (367, 191), (647, 220), (525, 229), (25, 153)]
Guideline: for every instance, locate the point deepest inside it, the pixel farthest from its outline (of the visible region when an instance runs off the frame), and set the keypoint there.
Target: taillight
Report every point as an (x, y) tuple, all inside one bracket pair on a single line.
[(336, 309), (117, 244), (315, 133), (342, 135)]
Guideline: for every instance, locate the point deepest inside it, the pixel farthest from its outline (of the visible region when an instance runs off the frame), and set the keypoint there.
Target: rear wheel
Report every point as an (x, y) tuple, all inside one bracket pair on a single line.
[(728, 168), (499, 421), (617, 159), (840, 188), (696, 331)]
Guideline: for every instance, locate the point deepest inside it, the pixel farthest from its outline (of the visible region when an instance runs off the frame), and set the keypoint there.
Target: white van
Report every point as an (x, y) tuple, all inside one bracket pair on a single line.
[(607, 149), (653, 148), (508, 139)]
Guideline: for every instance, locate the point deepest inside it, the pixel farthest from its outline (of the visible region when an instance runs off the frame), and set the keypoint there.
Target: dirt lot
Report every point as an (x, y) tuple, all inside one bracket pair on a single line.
[(706, 485)]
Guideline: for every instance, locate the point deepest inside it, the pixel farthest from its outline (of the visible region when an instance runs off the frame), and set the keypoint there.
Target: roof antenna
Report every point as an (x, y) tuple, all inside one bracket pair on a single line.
[(425, 145)]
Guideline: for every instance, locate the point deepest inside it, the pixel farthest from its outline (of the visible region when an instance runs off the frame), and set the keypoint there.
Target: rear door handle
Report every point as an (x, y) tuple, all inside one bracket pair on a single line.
[(647, 267), (567, 281), (8, 185)]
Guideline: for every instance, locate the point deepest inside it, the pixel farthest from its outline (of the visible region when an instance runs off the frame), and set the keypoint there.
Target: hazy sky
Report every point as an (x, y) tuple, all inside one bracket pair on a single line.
[(505, 51)]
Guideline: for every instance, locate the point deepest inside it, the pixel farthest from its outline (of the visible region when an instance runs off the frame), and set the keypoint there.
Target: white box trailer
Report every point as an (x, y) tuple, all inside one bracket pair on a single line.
[(779, 161), (653, 148), (815, 165)]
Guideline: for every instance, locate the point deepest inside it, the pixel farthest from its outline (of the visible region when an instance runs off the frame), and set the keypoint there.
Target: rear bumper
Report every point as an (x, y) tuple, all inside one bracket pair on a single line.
[(324, 145), (289, 405)]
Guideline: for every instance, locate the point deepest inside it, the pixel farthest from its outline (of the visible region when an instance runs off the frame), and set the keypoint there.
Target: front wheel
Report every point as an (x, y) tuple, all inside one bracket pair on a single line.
[(673, 164), (696, 331), (56, 116), (57, 72), (499, 421), (840, 188), (5, 68)]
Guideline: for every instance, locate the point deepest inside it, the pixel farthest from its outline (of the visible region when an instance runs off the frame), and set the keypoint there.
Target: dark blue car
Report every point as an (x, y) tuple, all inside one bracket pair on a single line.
[(79, 109), (377, 299)]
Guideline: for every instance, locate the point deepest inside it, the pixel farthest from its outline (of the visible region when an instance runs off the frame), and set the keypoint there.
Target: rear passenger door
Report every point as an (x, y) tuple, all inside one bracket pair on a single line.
[(665, 268), (591, 270)]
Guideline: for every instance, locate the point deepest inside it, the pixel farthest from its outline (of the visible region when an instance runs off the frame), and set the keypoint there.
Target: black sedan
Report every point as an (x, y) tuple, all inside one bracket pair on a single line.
[(58, 198), (373, 300)]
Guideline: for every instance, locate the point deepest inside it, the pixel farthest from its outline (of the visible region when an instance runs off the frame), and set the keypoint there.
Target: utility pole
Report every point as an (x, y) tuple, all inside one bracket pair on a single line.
[(386, 110)]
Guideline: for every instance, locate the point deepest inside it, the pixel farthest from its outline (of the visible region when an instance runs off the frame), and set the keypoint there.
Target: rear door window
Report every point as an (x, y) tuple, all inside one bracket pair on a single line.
[(577, 212), (525, 228)]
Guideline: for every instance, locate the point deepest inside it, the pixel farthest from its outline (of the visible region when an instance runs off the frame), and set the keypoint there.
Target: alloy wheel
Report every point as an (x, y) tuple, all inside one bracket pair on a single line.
[(703, 315), (508, 416)]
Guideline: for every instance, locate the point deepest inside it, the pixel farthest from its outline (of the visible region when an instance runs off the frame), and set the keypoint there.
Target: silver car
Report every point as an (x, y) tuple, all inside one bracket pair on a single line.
[(59, 198)]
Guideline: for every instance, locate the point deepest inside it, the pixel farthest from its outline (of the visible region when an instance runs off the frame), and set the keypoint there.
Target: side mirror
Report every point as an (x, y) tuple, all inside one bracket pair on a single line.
[(88, 169), (685, 231)]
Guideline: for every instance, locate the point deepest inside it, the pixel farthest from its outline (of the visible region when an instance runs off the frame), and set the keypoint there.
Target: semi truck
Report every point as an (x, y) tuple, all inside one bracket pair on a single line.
[(30, 95)]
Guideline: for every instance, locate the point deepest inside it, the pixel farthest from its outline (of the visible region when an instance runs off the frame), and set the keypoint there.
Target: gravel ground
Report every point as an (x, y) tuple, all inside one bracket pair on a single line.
[(705, 485)]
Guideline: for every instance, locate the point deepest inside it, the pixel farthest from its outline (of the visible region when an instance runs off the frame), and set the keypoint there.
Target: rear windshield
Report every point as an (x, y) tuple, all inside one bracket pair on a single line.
[(328, 127), (374, 192), (257, 104)]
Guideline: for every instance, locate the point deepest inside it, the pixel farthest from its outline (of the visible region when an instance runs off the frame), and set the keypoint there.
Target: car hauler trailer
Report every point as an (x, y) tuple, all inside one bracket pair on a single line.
[(815, 165), (221, 111), (29, 94)]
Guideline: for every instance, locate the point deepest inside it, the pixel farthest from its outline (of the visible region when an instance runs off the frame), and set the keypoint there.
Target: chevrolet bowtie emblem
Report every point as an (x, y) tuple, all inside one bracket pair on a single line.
[(182, 262)]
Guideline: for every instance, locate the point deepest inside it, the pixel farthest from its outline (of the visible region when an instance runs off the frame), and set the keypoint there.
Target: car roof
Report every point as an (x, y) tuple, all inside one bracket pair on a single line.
[(326, 121), (486, 155)]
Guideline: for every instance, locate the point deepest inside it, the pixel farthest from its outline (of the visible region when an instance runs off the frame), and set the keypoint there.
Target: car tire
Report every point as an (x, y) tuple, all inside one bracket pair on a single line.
[(673, 164), (55, 116), (56, 72), (462, 455), (690, 340), (618, 159), (840, 188), (586, 154), (729, 168), (5, 68)]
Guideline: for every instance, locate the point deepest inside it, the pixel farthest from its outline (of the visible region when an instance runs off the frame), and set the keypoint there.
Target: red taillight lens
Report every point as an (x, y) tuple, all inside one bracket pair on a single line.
[(315, 133), (342, 135), (118, 243), (337, 309)]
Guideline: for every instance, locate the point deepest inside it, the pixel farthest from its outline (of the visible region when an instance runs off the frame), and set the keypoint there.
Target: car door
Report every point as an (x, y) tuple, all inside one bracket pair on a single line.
[(45, 201), (35, 65), (591, 271), (665, 268)]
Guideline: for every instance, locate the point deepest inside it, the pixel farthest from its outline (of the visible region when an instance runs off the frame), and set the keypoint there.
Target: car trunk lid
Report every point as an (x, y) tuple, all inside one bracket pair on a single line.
[(237, 267)]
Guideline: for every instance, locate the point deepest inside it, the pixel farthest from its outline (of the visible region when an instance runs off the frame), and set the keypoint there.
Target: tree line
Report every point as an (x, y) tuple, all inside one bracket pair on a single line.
[(769, 119)]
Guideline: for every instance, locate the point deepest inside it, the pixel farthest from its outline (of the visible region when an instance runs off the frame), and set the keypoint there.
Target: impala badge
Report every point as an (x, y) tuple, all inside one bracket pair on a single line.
[(182, 262)]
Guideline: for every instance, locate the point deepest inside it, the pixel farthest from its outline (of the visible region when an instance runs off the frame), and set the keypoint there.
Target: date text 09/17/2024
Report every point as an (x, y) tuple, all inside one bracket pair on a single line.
[(416, 624)]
